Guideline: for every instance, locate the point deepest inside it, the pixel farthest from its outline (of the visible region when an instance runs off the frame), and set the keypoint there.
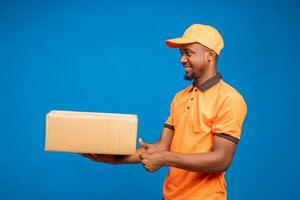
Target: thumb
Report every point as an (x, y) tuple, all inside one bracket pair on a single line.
[(143, 144)]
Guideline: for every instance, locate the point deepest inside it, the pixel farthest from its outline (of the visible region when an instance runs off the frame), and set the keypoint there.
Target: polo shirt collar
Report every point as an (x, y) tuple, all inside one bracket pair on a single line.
[(209, 83)]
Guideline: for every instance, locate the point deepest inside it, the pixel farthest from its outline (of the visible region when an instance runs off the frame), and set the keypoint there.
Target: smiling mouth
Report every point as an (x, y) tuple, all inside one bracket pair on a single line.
[(188, 70), (187, 66)]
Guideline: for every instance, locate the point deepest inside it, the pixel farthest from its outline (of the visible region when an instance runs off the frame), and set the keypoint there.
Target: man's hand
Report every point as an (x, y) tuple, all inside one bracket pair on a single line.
[(111, 159), (152, 158)]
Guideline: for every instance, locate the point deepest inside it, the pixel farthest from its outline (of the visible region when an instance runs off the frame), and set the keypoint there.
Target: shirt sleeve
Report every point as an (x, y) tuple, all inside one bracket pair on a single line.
[(230, 118), (170, 121)]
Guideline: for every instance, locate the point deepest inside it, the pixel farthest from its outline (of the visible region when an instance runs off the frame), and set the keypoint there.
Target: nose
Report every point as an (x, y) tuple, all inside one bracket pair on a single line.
[(183, 60)]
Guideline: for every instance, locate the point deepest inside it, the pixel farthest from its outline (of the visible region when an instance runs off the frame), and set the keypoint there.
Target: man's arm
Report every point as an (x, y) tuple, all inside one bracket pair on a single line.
[(163, 144), (218, 160)]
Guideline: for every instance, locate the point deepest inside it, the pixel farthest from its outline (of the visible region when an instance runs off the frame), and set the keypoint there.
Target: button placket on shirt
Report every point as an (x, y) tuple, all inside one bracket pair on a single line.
[(190, 101)]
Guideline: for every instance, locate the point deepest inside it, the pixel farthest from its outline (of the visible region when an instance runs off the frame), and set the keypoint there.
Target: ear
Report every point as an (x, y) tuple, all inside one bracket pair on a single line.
[(210, 54)]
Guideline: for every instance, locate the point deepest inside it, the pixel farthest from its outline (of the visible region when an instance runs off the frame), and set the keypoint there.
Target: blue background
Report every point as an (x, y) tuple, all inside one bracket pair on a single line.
[(110, 56)]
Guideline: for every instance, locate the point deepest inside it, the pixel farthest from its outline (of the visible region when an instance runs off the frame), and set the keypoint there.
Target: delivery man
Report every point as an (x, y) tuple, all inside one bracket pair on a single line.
[(200, 136)]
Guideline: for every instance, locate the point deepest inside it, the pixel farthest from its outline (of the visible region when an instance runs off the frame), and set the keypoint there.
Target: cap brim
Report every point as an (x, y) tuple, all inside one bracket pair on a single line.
[(178, 42)]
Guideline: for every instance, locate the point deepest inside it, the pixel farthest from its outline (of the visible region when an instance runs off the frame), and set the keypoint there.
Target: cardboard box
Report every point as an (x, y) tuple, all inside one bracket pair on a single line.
[(86, 132)]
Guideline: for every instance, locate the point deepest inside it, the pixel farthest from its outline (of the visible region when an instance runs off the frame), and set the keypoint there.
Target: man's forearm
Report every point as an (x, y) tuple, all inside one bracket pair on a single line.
[(130, 159), (202, 162)]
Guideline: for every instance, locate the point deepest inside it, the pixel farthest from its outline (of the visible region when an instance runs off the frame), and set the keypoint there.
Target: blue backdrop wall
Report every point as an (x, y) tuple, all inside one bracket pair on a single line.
[(110, 56)]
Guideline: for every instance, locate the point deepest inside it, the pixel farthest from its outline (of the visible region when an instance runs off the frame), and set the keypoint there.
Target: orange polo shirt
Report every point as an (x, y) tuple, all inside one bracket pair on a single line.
[(197, 114)]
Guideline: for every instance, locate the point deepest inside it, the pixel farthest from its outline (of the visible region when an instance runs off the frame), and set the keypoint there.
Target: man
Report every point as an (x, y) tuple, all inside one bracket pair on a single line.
[(200, 136)]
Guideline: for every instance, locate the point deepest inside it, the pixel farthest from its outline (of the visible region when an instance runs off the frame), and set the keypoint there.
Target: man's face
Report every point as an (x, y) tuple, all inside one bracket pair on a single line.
[(193, 59)]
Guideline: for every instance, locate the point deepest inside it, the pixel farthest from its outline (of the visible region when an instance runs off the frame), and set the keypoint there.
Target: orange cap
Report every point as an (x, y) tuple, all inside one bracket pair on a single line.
[(203, 34)]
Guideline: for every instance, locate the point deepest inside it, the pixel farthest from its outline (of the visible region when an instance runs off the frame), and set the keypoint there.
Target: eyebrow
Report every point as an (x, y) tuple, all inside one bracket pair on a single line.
[(187, 50)]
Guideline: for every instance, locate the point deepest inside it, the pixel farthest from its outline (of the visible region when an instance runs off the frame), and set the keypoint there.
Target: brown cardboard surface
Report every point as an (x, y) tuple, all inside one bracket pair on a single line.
[(87, 132)]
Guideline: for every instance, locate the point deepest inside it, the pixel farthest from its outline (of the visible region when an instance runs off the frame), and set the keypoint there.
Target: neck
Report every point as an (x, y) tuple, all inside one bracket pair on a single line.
[(205, 76)]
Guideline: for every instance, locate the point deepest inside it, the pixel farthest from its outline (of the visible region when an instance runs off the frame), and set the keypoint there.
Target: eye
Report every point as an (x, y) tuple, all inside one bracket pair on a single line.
[(188, 53)]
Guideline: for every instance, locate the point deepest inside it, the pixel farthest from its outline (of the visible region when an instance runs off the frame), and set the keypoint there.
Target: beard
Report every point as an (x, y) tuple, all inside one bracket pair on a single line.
[(189, 77)]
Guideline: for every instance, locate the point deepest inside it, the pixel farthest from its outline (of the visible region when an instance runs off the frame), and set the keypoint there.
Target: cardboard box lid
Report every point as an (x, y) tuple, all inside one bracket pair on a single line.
[(90, 132)]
